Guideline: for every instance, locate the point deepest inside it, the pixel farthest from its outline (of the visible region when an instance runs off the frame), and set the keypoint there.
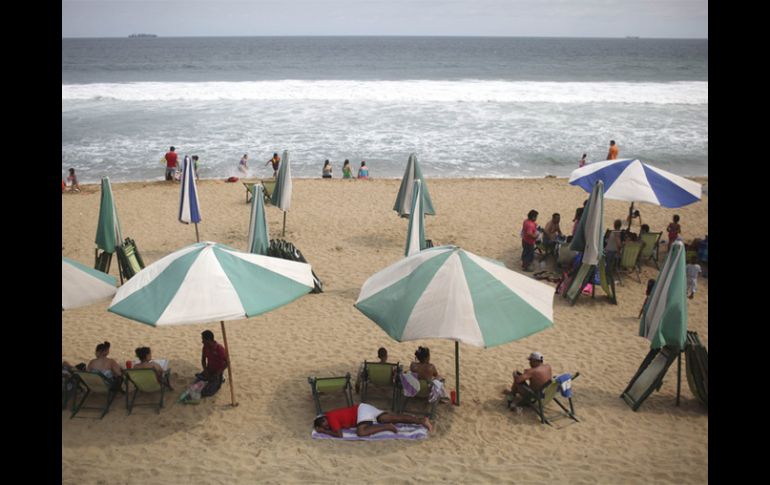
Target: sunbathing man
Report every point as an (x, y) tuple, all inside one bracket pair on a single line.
[(534, 378), (366, 418)]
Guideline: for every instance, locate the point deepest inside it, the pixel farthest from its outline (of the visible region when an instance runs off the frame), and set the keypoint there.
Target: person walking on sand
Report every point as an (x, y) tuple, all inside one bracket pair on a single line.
[(612, 154), (276, 161), (674, 230), (366, 418), (171, 159)]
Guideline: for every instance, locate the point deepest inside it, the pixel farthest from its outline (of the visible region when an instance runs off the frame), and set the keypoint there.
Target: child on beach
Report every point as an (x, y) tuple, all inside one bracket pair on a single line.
[(650, 284), (674, 230), (693, 269), (347, 172), (72, 181), (195, 167), (363, 171), (243, 165)]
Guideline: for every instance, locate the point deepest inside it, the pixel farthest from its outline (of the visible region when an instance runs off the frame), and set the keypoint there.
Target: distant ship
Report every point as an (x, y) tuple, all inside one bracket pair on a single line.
[(632, 37), (135, 36)]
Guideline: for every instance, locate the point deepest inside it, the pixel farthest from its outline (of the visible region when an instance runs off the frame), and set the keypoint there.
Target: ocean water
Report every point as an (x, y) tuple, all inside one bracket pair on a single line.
[(467, 107)]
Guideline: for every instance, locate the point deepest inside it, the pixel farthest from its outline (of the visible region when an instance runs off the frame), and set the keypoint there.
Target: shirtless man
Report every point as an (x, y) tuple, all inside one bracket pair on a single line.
[(366, 418), (551, 232), (276, 161), (537, 376)]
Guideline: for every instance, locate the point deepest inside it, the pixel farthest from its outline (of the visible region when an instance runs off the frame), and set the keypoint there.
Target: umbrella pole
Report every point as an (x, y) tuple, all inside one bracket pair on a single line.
[(630, 213), (457, 373), (197, 238), (229, 366), (678, 377), (283, 233)]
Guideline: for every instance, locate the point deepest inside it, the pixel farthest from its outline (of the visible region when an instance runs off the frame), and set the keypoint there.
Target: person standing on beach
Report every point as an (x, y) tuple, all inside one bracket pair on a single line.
[(171, 159), (528, 239), (582, 161), (72, 181), (195, 167), (612, 154), (674, 230), (276, 161)]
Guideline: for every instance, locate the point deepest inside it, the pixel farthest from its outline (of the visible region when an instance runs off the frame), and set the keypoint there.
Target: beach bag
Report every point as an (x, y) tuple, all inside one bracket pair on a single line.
[(231, 179)]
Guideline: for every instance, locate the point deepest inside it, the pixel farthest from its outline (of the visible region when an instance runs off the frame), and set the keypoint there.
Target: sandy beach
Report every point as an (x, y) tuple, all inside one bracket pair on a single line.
[(347, 230)]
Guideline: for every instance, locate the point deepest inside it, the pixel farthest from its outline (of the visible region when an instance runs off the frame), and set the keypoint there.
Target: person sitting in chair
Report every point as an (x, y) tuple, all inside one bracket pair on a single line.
[(382, 354), (366, 418), (423, 369), (534, 379), (106, 366), (145, 362)]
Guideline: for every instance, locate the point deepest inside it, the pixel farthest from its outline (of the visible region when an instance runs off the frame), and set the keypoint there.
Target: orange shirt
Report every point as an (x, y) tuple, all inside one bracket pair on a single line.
[(613, 154)]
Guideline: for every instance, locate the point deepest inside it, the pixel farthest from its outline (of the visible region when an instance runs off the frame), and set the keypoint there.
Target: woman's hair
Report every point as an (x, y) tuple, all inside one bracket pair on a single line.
[(72, 170), (422, 354), (142, 353), (645, 228), (363, 163), (326, 162), (103, 346)]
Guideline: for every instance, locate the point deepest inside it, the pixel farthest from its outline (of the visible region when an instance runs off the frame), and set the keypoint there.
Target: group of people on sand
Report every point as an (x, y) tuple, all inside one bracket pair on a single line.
[(214, 361), (368, 420), (347, 171), (174, 168)]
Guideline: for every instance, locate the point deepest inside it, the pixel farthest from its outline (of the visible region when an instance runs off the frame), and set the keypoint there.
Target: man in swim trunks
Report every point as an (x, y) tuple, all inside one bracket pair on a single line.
[(535, 378), (276, 161), (366, 418)]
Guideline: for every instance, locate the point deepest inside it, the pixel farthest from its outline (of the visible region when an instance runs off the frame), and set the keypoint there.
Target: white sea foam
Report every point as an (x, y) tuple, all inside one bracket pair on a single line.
[(468, 91)]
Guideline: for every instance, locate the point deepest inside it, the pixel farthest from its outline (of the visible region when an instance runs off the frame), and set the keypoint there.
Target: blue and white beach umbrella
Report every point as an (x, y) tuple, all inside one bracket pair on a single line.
[(634, 181), (81, 285), (448, 293), (189, 209)]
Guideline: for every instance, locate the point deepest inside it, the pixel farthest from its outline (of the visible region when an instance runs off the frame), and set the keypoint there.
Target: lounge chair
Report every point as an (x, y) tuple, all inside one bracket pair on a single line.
[(144, 380), (267, 186), (422, 394), (129, 259), (539, 400), (380, 375), (91, 382), (649, 377), (102, 261), (651, 242), (326, 385), (697, 367), (629, 259)]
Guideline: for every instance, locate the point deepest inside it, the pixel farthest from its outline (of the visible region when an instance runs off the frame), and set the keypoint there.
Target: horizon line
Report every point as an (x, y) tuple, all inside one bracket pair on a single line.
[(158, 36)]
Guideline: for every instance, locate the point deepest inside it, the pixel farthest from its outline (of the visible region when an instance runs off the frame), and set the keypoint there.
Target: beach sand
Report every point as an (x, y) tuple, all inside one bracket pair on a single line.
[(348, 231)]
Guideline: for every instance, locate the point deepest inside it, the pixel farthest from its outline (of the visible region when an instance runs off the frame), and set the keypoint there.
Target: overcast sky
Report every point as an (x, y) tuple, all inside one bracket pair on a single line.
[(536, 18)]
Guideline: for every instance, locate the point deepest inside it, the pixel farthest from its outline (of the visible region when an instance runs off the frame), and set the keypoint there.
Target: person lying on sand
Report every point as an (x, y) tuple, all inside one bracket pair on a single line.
[(366, 418)]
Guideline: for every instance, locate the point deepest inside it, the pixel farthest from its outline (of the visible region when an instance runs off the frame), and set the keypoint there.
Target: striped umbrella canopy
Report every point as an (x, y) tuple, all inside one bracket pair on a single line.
[(446, 292), (259, 239), (81, 285), (415, 234), (281, 197), (664, 321), (634, 181), (207, 281), (189, 209), (404, 197), (589, 240), (108, 234)]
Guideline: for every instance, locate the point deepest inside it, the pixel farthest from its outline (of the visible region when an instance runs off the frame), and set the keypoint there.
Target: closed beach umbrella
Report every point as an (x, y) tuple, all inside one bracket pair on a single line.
[(664, 321), (189, 209), (589, 240), (448, 293), (108, 234), (205, 282), (404, 197), (634, 181), (415, 234), (81, 285), (259, 241), (281, 197)]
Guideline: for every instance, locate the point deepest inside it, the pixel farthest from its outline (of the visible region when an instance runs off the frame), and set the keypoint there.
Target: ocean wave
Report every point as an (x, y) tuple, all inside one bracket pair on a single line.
[(471, 91)]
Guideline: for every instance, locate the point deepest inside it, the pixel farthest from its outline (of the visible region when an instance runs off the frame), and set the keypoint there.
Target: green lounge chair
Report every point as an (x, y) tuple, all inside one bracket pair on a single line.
[(267, 186), (539, 400), (629, 259), (650, 375), (382, 376), (423, 393), (651, 242), (92, 382), (327, 385), (129, 259), (144, 380)]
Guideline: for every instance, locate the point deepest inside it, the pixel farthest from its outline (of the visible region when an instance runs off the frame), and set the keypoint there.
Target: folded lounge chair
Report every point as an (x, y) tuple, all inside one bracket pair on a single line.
[(129, 259), (380, 375), (649, 377), (697, 367), (539, 400), (327, 385), (88, 383), (146, 381)]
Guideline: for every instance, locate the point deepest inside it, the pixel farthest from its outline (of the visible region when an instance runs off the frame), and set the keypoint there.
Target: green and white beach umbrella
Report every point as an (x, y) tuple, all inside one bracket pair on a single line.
[(81, 285), (448, 293), (664, 321), (259, 239), (404, 197), (415, 233), (108, 234), (207, 281), (281, 197)]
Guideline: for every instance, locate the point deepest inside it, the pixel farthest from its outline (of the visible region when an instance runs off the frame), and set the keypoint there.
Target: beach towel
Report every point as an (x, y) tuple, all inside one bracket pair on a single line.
[(405, 432), (410, 383), (565, 385), (437, 391)]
